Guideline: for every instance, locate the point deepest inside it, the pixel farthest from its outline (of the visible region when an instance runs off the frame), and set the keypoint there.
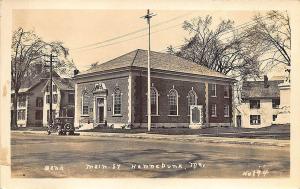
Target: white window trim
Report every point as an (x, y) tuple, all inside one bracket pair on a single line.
[(257, 117), (157, 94), (113, 106), (196, 98), (215, 107), (228, 112), (83, 115), (176, 101), (215, 89), (227, 87)]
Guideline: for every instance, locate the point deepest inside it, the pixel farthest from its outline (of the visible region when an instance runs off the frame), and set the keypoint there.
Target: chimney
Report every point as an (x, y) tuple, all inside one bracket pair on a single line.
[(266, 84), (76, 72)]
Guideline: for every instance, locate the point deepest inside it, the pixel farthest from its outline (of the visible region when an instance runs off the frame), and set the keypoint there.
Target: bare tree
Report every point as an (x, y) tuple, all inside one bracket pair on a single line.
[(271, 36), (27, 50), (209, 47)]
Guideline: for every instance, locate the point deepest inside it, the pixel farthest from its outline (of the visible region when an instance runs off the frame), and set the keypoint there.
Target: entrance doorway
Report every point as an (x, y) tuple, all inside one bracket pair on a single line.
[(100, 110), (239, 121)]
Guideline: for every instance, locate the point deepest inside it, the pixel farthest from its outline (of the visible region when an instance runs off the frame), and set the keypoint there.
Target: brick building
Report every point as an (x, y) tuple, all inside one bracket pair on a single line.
[(116, 92)]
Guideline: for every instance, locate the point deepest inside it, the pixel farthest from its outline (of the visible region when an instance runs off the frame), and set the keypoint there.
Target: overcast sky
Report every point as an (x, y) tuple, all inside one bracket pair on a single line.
[(79, 28)]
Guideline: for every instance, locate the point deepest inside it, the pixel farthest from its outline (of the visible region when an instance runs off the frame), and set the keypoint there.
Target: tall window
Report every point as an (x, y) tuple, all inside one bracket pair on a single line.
[(54, 88), (173, 102), (192, 99), (226, 91), (22, 101), (214, 110), (226, 110), (254, 104), (84, 103), (213, 90), (39, 102), (254, 119), (154, 101), (71, 98), (117, 101), (54, 98)]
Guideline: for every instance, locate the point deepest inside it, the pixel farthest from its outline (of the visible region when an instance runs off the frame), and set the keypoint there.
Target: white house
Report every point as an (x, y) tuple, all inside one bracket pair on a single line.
[(260, 103)]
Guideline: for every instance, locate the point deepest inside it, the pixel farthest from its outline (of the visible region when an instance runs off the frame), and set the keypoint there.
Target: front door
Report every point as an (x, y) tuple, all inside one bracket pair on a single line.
[(101, 114), (100, 110)]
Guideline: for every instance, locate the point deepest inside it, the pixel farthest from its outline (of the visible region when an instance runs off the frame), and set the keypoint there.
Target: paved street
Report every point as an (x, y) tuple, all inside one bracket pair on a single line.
[(37, 155)]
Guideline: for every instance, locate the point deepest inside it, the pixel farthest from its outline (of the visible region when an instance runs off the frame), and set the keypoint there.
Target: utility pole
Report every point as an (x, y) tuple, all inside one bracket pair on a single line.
[(148, 16), (50, 122)]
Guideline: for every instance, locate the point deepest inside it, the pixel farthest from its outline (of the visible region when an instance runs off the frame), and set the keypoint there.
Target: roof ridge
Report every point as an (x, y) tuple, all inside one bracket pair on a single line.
[(135, 57)]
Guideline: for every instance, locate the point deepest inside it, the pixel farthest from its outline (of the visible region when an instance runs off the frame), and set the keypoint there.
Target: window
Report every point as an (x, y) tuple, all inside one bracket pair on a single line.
[(39, 102), (275, 103), (226, 110), (226, 91), (173, 102), (71, 98), (84, 103), (213, 90), (214, 110), (39, 115), (54, 98), (154, 101), (21, 115), (54, 88), (254, 119), (22, 101), (192, 99), (48, 99), (254, 104), (117, 101), (274, 117)]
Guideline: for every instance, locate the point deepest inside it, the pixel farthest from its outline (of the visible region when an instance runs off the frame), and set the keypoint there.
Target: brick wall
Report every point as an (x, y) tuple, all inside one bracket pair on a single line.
[(110, 85), (220, 101), (163, 87)]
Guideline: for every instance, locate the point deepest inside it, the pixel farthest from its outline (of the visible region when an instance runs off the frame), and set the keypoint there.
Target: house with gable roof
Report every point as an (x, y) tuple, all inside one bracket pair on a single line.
[(115, 92), (33, 100), (261, 103)]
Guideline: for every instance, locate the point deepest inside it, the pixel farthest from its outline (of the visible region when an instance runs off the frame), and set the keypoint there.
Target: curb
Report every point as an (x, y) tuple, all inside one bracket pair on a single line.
[(183, 138)]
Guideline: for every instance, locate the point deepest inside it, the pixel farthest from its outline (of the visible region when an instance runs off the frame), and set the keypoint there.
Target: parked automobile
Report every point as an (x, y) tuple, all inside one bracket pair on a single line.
[(62, 126)]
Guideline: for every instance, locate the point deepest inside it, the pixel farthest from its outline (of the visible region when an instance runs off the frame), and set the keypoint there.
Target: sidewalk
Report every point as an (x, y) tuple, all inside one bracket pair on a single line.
[(186, 138)]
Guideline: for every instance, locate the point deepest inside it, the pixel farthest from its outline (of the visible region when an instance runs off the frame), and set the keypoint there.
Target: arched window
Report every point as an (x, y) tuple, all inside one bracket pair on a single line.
[(84, 103), (192, 99), (154, 101), (117, 101), (173, 102)]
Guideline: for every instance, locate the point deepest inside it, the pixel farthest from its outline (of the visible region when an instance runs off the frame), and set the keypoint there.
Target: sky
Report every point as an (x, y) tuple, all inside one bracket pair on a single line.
[(78, 29)]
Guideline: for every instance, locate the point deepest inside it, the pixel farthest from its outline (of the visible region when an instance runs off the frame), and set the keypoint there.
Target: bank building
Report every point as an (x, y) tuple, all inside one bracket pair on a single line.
[(114, 93)]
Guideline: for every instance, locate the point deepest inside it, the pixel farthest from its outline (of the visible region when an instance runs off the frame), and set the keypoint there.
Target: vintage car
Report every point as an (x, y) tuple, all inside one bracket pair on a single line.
[(62, 126)]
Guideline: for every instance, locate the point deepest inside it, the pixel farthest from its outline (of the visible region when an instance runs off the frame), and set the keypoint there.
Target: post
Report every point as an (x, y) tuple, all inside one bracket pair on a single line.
[(50, 122), (51, 92), (148, 16)]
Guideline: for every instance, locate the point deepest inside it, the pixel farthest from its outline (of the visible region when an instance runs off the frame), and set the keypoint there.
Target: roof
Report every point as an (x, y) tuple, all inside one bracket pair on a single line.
[(257, 89), (64, 83), (159, 61)]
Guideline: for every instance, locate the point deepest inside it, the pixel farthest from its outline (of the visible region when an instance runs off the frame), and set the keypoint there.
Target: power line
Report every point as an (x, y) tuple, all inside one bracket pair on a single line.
[(134, 32), (246, 24)]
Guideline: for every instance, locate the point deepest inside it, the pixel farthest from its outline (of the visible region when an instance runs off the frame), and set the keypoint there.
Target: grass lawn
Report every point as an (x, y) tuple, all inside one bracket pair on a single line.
[(274, 131)]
